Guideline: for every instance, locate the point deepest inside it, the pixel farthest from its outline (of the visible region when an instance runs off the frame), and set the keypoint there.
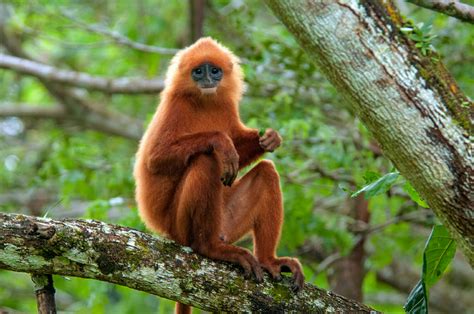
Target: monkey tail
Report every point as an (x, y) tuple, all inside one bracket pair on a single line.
[(181, 308)]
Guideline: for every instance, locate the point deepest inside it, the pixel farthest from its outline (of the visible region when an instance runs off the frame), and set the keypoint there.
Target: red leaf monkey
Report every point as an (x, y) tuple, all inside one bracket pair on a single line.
[(189, 158)]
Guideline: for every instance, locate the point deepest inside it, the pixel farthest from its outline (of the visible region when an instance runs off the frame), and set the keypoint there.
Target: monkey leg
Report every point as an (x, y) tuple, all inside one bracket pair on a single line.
[(199, 215), (254, 203)]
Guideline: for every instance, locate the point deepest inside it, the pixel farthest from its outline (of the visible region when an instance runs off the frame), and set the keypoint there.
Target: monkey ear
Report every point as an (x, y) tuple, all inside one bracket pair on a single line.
[(231, 65)]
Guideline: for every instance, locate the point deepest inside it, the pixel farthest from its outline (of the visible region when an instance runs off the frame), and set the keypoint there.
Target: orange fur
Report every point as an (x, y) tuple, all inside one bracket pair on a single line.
[(187, 146)]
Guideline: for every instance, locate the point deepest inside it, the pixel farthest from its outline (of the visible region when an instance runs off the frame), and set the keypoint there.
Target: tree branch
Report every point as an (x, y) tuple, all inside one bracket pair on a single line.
[(96, 250), (124, 85), (31, 111), (83, 114), (77, 106), (119, 38), (461, 11)]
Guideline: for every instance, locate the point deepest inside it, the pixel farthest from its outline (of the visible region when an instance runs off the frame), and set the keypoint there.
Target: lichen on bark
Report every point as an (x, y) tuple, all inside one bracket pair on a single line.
[(96, 250)]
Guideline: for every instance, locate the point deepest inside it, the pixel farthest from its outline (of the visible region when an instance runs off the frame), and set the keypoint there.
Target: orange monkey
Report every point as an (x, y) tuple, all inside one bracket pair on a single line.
[(189, 158)]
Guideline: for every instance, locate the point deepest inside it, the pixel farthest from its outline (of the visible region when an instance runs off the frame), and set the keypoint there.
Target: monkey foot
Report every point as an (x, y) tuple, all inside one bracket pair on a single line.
[(285, 264), (251, 266)]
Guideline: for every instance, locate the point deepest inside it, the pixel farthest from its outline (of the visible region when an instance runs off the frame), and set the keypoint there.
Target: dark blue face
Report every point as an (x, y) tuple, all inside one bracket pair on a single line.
[(207, 75)]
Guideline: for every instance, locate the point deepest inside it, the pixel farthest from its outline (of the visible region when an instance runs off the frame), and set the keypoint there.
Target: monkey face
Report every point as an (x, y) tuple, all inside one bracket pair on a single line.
[(207, 77)]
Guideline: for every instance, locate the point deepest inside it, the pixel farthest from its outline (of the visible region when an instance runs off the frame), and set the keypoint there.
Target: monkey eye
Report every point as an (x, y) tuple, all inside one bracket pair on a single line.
[(197, 71), (216, 73)]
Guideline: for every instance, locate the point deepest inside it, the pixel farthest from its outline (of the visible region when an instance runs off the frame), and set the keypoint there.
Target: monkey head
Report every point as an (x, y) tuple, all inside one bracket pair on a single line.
[(206, 68)]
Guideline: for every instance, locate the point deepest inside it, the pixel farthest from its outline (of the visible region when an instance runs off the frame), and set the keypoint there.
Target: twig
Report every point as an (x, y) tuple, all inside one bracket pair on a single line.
[(457, 9), (327, 262), (124, 85), (119, 38), (366, 229)]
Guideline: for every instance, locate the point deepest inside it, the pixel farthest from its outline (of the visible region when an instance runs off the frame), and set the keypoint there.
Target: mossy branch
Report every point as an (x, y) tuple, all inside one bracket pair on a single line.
[(119, 255)]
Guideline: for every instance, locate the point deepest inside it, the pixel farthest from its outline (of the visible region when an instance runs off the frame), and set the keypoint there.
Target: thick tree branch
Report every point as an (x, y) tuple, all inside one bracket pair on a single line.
[(452, 8), (96, 250), (124, 85), (410, 103), (32, 111), (81, 113)]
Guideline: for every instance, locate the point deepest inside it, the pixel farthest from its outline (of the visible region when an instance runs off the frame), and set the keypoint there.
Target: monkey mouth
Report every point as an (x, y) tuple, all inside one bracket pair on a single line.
[(208, 90)]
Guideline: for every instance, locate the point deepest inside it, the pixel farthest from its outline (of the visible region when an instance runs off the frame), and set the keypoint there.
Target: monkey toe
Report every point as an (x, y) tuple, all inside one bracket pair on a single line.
[(285, 264), (273, 270), (298, 282), (257, 271), (258, 275), (277, 277)]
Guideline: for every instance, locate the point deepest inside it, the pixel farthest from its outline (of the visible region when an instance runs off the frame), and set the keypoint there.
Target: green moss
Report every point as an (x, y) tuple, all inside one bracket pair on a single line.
[(280, 292), (439, 79)]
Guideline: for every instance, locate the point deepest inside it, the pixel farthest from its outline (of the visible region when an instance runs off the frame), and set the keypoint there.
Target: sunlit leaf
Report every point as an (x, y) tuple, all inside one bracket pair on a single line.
[(414, 195), (378, 187), (439, 252)]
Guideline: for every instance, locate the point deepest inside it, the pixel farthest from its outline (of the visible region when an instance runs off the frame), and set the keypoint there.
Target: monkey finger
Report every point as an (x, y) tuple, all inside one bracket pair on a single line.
[(268, 141), (272, 146), (263, 138)]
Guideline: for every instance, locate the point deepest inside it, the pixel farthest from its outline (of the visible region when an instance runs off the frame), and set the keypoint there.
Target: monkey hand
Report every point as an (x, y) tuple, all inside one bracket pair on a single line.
[(230, 166), (270, 140)]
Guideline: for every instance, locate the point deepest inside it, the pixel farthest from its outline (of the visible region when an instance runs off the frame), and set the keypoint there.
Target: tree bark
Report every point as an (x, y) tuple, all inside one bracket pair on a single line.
[(123, 85), (96, 250), (409, 102), (44, 293), (346, 275), (197, 10)]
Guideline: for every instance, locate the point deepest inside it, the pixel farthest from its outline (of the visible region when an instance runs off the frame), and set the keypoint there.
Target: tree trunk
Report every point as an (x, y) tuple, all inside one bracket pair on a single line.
[(346, 275), (409, 102), (96, 250)]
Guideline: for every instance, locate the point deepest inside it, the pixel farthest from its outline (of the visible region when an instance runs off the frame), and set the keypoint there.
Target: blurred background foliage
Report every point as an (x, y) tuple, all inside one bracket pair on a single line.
[(58, 168)]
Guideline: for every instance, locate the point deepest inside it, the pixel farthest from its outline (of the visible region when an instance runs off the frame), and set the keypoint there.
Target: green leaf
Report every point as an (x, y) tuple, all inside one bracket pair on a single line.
[(414, 195), (378, 187), (417, 302), (439, 252)]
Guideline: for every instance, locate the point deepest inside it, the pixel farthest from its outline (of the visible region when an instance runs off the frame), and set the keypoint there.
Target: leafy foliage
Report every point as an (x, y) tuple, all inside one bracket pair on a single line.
[(421, 35)]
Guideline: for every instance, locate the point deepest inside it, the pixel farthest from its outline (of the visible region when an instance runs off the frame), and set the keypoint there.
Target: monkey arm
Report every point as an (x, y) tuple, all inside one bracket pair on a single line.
[(248, 147), (171, 157)]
